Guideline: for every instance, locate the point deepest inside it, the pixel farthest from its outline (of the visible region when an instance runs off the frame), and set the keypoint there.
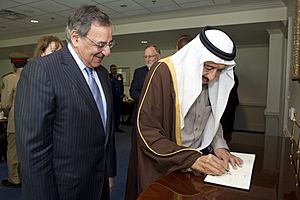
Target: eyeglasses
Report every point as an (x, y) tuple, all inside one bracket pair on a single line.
[(150, 56), (102, 45)]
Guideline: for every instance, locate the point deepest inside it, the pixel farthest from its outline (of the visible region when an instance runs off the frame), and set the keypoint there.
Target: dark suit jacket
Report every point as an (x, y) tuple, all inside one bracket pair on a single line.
[(138, 82), (137, 86), (61, 142)]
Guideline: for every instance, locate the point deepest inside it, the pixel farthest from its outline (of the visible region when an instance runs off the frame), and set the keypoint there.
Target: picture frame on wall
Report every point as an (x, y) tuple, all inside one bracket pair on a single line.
[(125, 71)]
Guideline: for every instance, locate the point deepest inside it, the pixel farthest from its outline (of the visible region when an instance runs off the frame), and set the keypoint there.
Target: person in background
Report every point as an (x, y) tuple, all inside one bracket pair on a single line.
[(118, 94), (182, 101), (182, 41), (46, 45), (64, 115), (8, 93), (227, 119), (151, 55)]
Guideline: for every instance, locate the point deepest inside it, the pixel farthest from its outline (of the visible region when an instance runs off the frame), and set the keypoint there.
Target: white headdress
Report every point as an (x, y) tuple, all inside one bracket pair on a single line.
[(210, 45)]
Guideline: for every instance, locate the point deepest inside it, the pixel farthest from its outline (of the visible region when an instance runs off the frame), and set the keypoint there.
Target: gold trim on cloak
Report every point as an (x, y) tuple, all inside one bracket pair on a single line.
[(177, 128)]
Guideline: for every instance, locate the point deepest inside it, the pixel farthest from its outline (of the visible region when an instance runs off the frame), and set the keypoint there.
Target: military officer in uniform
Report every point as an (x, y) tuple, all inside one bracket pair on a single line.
[(118, 94), (8, 92)]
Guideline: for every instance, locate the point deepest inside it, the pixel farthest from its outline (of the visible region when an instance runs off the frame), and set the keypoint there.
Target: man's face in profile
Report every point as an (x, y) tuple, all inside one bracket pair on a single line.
[(211, 71)]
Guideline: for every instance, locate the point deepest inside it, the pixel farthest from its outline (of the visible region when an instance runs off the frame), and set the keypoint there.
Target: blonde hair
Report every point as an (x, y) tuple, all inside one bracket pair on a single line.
[(44, 42)]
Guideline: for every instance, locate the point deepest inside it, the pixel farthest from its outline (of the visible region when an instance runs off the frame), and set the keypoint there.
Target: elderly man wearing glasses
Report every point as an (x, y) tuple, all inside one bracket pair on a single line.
[(151, 55), (63, 114)]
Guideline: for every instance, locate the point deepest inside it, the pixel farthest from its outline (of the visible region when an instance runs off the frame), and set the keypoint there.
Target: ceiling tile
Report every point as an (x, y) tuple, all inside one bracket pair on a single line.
[(116, 5), (150, 4), (49, 6), (8, 4), (27, 10), (222, 1), (76, 3), (25, 1), (65, 13), (105, 1), (136, 12), (53, 18), (196, 4), (17, 23), (191, 1), (3, 20), (164, 8), (111, 13)]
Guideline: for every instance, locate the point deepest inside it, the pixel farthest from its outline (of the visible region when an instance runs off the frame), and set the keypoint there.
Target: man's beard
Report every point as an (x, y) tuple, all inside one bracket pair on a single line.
[(149, 65)]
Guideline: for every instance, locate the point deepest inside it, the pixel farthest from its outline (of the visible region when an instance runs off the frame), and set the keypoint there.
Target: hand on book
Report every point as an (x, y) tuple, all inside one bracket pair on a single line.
[(227, 157), (210, 164)]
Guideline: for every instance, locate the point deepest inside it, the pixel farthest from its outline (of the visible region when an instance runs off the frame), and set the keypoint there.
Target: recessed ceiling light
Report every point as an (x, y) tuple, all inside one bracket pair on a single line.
[(35, 21), (144, 41)]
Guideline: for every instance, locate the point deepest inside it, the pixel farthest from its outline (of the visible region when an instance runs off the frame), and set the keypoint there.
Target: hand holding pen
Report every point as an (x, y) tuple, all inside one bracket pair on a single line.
[(216, 164), (227, 157)]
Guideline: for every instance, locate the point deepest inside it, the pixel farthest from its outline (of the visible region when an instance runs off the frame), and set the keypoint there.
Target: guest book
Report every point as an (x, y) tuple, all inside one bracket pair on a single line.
[(237, 178)]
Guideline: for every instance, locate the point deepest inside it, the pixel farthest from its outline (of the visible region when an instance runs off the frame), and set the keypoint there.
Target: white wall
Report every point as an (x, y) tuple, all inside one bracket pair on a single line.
[(252, 71), (5, 67)]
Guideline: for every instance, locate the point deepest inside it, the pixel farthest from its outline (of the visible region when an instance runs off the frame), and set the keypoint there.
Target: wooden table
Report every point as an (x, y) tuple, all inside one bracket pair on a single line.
[(273, 176)]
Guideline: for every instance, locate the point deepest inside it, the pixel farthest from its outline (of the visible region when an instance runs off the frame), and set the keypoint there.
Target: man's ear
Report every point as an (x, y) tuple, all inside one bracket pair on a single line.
[(75, 38)]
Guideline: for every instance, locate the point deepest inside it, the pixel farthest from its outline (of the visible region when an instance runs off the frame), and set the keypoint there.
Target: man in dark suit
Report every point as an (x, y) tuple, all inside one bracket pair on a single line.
[(151, 55), (63, 114)]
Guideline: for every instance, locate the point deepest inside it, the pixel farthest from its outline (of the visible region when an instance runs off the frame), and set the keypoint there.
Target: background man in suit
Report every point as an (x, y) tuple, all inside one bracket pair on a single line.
[(151, 55), (118, 94), (8, 93), (63, 111)]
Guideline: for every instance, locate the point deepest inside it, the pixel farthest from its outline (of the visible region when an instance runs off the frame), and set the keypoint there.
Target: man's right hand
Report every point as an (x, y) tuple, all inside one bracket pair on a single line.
[(210, 164)]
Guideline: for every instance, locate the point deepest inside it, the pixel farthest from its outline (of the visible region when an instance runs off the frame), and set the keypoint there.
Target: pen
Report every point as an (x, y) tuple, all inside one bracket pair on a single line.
[(227, 171)]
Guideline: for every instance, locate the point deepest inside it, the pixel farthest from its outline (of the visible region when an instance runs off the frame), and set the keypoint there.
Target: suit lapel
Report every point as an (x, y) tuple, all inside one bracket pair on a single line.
[(76, 77)]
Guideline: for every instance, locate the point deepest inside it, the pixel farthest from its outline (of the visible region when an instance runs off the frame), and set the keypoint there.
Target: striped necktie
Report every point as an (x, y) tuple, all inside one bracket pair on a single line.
[(96, 94)]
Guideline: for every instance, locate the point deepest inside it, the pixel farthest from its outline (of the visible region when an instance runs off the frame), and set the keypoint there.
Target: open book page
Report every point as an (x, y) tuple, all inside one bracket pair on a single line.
[(238, 178)]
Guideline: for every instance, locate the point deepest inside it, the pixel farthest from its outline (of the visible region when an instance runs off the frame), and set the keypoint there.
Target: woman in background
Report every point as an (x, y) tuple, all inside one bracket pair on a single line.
[(46, 45)]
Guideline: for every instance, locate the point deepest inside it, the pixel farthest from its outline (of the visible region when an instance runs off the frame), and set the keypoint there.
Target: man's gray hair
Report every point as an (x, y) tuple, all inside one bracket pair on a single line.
[(154, 46), (82, 19)]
